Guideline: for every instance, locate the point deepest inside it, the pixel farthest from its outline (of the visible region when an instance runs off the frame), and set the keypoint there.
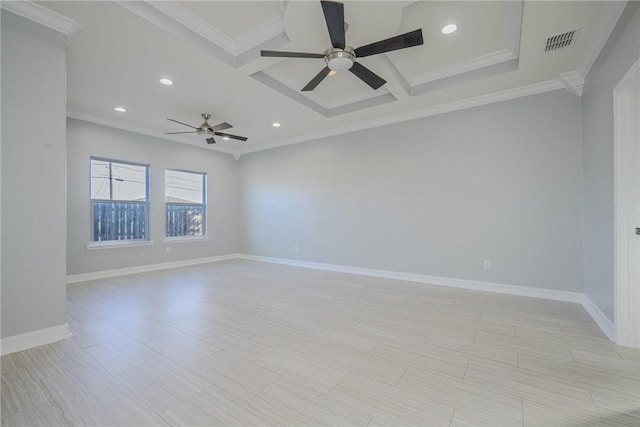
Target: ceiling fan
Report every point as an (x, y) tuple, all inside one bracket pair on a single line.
[(341, 57), (207, 129)]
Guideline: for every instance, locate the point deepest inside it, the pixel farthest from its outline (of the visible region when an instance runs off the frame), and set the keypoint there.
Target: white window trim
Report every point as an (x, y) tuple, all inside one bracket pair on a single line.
[(115, 244), (205, 208), (109, 244), (184, 239)]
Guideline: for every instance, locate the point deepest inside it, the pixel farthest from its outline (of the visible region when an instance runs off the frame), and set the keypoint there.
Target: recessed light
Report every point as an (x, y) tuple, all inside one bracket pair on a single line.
[(332, 72), (120, 109), (165, 81), (448, 29), (226, 138), (276, 125)]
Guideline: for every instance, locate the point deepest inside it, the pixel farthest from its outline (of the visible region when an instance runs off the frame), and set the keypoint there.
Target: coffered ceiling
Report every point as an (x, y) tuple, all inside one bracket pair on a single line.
[(118, 50)]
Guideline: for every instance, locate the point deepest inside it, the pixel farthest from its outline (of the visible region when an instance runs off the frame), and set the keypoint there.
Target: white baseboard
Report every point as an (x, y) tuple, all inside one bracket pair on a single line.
[(411, 277), (32, 339), (75, 278), (601, 320), (599, 317), (432, 280)]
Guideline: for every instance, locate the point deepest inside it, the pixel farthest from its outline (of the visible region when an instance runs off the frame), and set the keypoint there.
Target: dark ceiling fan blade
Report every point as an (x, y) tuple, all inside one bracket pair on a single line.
[(334, 16), (277, 54), (367, 76), (228, 135), (413, 38), (317, 79), (176, 133), (221, 126), (211, 140), (182, 123)]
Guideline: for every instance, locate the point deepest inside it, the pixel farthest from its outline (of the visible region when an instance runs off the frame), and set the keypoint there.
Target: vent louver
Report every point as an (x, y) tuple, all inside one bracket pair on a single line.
[(558, 41)]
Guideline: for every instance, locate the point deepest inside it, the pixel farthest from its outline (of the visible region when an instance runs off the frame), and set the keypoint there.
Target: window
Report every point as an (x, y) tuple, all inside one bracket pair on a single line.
[(119, 200), (185, 199)]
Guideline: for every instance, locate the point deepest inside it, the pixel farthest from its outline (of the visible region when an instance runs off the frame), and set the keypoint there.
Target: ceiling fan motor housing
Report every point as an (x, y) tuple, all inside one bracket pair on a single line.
[(204, 130), (205, 127), (339, 59)]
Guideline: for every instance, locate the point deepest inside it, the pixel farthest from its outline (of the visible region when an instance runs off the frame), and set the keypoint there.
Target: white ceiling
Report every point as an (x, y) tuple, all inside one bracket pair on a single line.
[(210, 49)]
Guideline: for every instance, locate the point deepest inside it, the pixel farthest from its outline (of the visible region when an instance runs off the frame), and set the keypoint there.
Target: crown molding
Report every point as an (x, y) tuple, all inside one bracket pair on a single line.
[(354, 104), (287, 91), (504, 95), (178, 20), (348, 101), (327, 104), (157, 15), (514, 26), (612, 12), (43, 16), (567, 81), (86, 117), (474, 64), (193, 22), (472, 68), (573, 82), (256, 37)]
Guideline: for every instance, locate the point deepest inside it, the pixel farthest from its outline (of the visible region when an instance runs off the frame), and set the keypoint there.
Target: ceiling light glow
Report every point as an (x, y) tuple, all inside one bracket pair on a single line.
[(120, 109), (332, 72), (448, 29), (165, 81), (226, 138), (276, 125)]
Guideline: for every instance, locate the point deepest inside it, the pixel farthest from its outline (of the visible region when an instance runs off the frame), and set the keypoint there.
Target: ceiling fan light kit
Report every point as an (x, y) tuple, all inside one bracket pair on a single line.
[(341, 57)]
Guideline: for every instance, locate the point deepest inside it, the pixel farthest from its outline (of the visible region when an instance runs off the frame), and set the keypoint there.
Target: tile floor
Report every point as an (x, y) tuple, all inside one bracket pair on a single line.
[(249, 343)]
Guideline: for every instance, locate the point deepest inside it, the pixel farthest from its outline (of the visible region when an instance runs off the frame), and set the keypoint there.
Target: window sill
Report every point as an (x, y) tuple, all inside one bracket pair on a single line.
[(113, 244), (186, 239)]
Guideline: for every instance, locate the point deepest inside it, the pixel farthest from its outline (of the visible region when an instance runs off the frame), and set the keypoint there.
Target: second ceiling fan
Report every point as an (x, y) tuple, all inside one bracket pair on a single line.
[(341, 57), (207, 129)]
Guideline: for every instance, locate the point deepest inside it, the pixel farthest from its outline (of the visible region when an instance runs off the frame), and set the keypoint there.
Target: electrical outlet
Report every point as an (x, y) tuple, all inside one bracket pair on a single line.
[(168, 249), (487, 264)]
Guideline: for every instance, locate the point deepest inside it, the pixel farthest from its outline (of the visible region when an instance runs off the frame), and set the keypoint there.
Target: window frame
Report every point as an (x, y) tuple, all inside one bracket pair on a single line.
[(100, 244), (205, 217)]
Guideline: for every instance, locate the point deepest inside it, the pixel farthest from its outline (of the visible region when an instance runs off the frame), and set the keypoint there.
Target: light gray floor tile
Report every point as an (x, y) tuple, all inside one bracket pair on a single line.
[(250, 343)]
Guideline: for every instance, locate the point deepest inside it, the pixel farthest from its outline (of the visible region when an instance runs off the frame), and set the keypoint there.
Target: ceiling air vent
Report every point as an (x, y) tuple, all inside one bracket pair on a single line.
[(558, 41)]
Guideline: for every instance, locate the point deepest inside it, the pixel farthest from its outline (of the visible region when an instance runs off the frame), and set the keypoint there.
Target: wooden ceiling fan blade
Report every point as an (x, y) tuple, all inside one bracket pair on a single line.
[(278, 54), (410, 39), (317, 79), (367, 76), (228, 135), (334, 16), (172, 120)]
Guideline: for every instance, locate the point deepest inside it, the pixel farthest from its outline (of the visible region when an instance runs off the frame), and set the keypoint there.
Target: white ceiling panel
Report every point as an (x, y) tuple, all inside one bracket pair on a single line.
[(211, 51), (237, 18)]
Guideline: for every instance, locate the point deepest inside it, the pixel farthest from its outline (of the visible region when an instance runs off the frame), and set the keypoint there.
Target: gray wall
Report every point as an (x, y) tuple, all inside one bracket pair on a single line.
[(619, 54), (33, 176), (434, 196), (86, 140)]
